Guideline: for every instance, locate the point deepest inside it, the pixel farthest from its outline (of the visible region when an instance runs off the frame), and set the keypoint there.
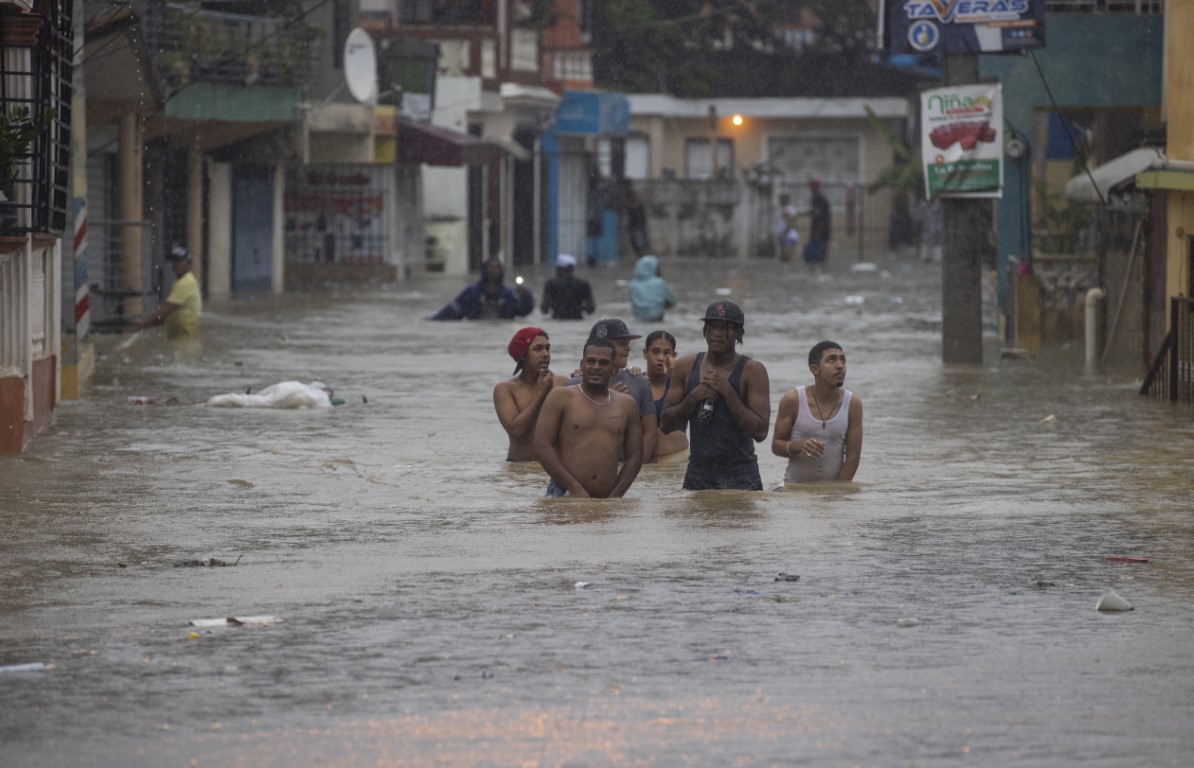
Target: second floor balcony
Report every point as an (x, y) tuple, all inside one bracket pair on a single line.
[(189, 44)]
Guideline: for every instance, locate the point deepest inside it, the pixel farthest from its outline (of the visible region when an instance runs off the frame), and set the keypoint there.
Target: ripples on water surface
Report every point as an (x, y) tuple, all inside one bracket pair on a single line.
[(428, 590)]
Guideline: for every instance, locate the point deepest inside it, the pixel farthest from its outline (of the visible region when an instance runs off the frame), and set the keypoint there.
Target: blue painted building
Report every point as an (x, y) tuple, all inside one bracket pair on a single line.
[(1092, 92)]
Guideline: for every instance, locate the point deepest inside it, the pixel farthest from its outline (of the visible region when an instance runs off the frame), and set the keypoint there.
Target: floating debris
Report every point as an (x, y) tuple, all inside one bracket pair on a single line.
[(1125, 559), (784, 576), (1049, 420), (905, 623), (207, 562), (17, 669), (583, 585), (1111, 601), (236, 621)]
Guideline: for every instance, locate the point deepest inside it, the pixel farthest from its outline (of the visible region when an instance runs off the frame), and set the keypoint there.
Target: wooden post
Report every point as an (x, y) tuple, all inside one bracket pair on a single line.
[(962, 242)]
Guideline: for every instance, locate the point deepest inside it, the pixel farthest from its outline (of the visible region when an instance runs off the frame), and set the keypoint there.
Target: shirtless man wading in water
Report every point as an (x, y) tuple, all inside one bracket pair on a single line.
[(583, 427), (518, 400)]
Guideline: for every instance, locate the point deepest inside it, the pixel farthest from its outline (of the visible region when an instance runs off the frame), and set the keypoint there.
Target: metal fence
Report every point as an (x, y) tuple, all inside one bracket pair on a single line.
[(118, 298), (1172, 374)]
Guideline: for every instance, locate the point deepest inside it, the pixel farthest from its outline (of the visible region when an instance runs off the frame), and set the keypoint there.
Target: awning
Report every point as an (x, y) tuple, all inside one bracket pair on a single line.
[(1115, 173), (424, 143)]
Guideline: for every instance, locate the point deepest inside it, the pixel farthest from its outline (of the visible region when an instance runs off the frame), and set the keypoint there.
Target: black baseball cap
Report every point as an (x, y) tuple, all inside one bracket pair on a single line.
[(611, 328), (725, 310)]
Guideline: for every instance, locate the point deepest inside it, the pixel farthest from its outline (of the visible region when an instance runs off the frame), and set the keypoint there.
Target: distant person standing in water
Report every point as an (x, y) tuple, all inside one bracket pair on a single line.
[(519, 400), (818, 429), (583, 428), (726, 399), (566, 296), (820, 216), (785, 229), (489, 298), (650, 295)]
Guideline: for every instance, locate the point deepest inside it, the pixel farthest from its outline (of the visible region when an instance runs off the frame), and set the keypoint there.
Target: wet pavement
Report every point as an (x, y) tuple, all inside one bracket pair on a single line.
[(427, 591)]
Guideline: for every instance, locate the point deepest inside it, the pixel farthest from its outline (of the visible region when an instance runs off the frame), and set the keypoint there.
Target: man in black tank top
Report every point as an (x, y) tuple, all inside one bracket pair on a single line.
[(725, 398)]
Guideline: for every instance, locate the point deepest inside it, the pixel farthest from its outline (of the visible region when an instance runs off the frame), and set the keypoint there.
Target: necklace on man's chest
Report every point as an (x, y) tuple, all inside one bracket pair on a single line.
[(820, 413)]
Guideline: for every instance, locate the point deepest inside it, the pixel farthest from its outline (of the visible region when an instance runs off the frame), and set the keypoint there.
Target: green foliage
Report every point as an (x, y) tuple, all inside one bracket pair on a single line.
[(702, 48), (1058, 221), (18, 130), (904, 174)]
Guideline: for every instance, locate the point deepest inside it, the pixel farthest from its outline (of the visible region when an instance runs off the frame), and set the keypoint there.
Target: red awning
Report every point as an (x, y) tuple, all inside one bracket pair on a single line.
[(420, 143)]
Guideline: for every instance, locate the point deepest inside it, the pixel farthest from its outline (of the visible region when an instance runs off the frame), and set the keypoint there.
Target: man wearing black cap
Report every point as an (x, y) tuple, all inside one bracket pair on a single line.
[(638, 387), (726, 399), (181, 309)]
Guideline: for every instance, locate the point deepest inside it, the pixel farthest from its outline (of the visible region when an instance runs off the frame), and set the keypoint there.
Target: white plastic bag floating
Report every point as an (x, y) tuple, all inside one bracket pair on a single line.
[(285, 394)]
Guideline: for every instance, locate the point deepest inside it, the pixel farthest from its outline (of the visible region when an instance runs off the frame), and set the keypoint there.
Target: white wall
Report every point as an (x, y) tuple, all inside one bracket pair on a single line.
[(218, 268)]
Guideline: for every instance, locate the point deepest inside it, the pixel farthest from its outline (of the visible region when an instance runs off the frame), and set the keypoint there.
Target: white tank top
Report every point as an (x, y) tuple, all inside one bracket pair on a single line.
[(833, 434)]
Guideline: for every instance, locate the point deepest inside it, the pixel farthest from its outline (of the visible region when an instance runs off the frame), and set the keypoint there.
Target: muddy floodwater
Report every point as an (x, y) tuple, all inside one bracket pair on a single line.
[(429, 613)]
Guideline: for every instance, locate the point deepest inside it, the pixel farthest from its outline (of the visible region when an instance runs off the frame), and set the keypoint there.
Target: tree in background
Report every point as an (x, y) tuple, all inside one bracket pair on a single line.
[(706, 48)]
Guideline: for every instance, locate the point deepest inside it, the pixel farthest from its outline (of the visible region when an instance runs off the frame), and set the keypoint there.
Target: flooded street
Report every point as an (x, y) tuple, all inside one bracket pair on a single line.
[(427, 589)]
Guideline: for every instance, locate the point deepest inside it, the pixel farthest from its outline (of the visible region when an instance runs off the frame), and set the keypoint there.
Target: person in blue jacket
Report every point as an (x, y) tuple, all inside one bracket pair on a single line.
[(489, 298), (650, 294)]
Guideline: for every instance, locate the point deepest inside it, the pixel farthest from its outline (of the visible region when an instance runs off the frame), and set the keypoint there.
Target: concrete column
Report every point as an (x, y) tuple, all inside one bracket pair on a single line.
[(962, 240), (131, 169), (195, 209), (219, 231)]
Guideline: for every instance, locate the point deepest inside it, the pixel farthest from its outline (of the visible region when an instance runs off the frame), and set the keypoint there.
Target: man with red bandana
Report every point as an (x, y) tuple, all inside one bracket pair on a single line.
[(519, 400)]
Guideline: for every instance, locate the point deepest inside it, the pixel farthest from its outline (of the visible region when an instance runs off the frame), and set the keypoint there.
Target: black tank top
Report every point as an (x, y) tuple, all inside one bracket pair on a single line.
[(720, 455)]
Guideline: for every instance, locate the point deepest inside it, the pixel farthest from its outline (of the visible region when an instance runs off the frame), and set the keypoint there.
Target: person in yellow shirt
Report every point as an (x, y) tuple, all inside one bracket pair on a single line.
[(181, 309)]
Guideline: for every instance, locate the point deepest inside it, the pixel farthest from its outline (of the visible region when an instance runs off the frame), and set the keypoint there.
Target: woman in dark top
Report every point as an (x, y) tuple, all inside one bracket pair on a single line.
[(660, 352)]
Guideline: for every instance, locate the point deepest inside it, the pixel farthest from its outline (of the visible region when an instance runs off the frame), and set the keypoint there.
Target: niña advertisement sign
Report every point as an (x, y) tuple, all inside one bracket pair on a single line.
[(961, 26), (961, 140)]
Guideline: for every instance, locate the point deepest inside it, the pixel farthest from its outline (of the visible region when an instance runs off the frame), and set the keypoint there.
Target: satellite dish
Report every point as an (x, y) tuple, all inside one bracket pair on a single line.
[(360, 66)]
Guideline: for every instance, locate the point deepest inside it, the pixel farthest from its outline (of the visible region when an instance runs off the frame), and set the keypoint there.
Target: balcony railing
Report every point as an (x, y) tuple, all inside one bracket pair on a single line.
[(446, 12), (190, 45)]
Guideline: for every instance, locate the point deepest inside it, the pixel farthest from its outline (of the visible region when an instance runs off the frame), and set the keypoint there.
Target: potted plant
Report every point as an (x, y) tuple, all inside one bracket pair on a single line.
[(19, 129)]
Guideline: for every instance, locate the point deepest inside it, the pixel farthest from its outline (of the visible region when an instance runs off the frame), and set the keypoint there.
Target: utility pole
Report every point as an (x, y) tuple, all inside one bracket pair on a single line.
[(962, 240)]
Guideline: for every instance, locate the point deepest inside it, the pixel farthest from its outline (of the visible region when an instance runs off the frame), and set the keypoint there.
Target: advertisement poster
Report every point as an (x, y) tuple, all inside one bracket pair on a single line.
[(961, 26), (961, 140), (337, 215)]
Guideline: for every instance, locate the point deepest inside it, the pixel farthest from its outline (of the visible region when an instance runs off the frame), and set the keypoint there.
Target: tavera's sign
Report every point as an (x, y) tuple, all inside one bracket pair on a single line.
[(961, 26), (961, 140)]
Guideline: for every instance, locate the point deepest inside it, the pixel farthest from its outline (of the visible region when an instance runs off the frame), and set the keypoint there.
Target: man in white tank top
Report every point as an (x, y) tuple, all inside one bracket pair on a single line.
[(818, 429)]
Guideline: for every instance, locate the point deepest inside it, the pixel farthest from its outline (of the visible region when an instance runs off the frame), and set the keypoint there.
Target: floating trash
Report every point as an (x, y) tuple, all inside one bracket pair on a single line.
[(17, 669), (236, 621), (1125, 559), (905, 623), (784, 576), (855, 299), (1049, 420), (207, 562), (724, 291), (1111, 601), (582, 585)]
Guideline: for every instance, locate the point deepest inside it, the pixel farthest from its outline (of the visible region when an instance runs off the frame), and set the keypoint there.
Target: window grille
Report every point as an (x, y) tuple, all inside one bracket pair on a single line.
[(35, 81)]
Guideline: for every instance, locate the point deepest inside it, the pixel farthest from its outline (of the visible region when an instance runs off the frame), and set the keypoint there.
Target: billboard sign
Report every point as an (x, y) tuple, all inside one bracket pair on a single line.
[(593, 113), (961, 26), (961, 140)]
